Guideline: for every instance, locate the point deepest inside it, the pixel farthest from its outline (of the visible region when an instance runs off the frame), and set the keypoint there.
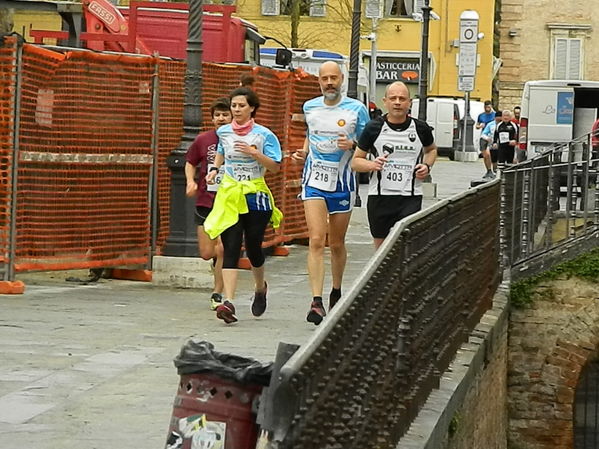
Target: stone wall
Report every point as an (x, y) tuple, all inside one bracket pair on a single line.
[(549, 344), (469, 410), (481, 421)]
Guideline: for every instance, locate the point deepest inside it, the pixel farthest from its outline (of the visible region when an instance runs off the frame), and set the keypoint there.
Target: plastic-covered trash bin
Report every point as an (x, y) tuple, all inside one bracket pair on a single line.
[(216, 402)]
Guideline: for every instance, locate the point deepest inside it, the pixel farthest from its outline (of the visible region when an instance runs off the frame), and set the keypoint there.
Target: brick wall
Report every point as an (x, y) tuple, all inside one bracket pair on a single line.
[(549, 345)]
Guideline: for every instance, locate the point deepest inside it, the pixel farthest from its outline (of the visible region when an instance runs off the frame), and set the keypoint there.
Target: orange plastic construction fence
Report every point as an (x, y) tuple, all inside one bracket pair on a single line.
[(282, 94), (93, 128), (170, 130), (8, 81), (85, 160)]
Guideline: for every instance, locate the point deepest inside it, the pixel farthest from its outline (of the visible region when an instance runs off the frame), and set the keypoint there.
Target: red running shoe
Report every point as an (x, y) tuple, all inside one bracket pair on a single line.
[(226, 312), (316, 313)]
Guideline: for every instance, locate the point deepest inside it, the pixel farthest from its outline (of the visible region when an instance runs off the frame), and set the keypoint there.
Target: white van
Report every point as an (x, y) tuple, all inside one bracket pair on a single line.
[(309, 60), (556, 111), (442, 114)]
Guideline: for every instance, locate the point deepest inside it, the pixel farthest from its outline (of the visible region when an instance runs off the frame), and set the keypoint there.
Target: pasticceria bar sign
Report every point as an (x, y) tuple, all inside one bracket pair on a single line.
[(397, 69)]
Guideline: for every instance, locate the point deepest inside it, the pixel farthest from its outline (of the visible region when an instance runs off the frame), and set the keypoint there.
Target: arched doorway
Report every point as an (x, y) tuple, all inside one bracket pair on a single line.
[(586, 408)]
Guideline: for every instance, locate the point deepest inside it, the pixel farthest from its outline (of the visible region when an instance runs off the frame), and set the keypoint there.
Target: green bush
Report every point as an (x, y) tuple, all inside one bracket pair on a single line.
[(585, 267)]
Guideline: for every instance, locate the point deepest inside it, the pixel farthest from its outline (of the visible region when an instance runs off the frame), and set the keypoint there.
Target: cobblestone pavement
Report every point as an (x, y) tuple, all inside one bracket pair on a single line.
[(90, 366)]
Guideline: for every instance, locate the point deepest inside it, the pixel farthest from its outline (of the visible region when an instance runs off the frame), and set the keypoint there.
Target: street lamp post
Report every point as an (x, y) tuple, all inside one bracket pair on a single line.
[(354, 52), (182, 238), (352, 79), (423, 85), (373, 58)]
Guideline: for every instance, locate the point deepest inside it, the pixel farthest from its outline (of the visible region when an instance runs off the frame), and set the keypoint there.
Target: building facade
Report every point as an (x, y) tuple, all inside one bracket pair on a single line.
[(558, 41), (327, 25)]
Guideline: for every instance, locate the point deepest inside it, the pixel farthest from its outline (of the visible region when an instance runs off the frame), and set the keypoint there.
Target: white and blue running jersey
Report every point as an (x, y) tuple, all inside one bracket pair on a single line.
[(243, 167), (327, 167)]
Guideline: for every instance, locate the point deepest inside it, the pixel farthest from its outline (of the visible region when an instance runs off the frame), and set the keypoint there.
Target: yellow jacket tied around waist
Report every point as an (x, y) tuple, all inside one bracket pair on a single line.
[(230, 202)]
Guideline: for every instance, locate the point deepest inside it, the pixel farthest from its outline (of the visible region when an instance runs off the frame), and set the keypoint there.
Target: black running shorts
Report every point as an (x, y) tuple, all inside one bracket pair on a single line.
[(506, 155), (201, 214), (493, 152), (386, 210)]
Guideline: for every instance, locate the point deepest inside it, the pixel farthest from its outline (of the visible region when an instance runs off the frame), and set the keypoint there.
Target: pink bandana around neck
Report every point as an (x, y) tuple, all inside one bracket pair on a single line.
[(244, 129)]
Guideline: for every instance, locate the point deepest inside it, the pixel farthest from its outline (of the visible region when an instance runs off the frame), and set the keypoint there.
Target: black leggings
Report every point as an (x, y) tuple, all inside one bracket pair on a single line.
[(252, 225)]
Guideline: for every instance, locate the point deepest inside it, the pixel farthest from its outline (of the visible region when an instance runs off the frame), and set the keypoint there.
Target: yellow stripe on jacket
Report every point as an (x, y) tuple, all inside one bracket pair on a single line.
[(230, 202)]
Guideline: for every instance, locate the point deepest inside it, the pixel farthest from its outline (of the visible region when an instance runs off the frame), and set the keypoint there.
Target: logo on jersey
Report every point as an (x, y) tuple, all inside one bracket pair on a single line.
[(341, 122), (343, 203), (327, 146), (412, 137)]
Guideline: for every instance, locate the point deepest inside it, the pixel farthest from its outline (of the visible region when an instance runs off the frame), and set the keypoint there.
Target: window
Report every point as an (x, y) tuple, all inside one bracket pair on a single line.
[(567, 59), (403, 8), (567, 50), (313, 8)]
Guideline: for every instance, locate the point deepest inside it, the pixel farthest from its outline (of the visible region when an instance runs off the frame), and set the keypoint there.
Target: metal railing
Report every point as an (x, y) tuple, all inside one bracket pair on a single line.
[(550, 207), (366, 372)]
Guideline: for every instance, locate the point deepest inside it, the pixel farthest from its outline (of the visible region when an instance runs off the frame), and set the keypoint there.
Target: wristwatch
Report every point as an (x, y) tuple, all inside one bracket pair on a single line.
[(428, 166)]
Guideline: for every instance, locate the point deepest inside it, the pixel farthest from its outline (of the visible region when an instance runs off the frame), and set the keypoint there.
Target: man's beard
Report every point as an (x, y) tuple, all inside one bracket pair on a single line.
[(332, 95)]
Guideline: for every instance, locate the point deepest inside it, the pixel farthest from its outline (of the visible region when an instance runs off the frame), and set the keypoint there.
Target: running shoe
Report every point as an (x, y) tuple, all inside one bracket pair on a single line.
[(259, 302), (215, 300), (316, 313), (334, 296), (226, 312)]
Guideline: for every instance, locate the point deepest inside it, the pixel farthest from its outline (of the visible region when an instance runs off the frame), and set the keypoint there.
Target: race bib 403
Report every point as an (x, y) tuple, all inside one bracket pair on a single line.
[(396, 176)]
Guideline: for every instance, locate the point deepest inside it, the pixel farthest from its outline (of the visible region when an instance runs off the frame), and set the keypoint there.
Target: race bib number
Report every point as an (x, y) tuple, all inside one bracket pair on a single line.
[(246, 172), (217, 180), (504, 137), (396, 176), (324, 175)]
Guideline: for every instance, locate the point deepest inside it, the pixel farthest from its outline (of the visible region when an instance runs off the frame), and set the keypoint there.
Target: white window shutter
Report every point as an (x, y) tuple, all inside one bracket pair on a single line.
[(574, 58), (317, 8), (389, 6), (418, 4), (560, 71), (271, 7)]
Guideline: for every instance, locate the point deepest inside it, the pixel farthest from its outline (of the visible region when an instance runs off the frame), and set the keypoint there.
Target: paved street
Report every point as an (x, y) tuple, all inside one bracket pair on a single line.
[(90, 366)]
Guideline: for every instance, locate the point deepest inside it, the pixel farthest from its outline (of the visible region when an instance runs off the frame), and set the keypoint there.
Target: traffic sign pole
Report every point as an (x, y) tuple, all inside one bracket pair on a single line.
[(468, 58)]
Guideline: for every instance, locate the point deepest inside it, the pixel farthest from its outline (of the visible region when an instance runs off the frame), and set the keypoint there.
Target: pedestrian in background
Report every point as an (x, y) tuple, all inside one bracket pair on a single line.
[(328, 183), (244, 204), (505, 139), (490, 152), (482, 120), (199, 160), (247, 80), (404, 153)]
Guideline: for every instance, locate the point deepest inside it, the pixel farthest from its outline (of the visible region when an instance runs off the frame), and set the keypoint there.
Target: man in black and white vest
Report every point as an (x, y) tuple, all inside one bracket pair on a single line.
[(404, 153)]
